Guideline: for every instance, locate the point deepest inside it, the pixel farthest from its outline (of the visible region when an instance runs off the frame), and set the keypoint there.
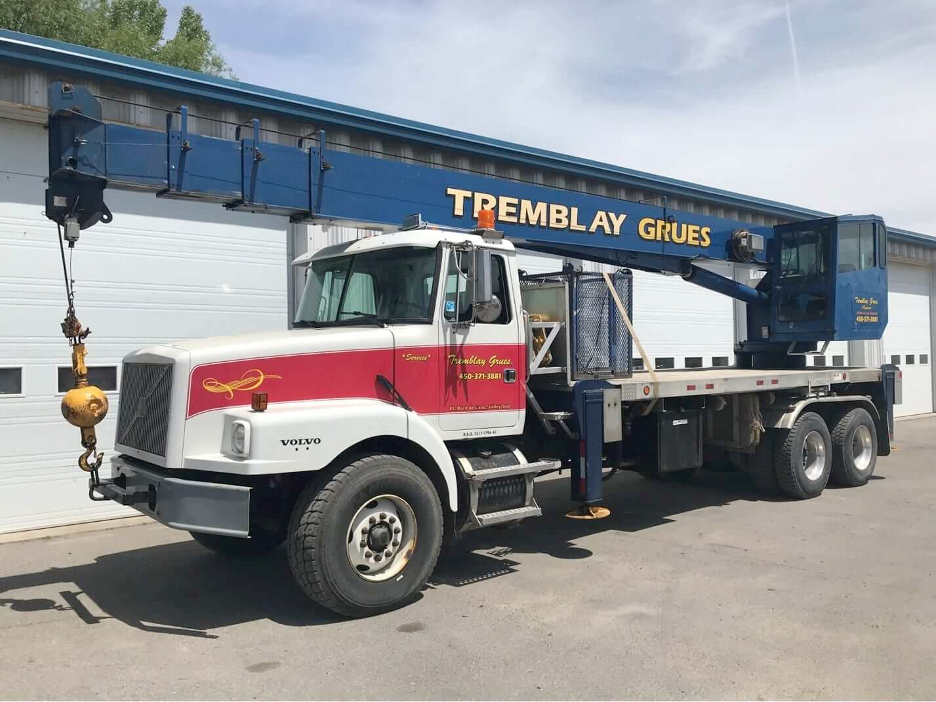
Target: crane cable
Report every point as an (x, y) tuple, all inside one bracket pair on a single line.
[(76, 335), (67, 275)]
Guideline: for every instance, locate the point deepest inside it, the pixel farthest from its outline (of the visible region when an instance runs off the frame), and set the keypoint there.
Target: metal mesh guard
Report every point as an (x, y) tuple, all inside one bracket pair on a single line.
[(143, 418), (602, 344)]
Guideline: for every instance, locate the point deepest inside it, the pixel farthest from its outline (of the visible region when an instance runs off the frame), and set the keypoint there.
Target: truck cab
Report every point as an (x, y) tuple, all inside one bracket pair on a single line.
[(458, 337)]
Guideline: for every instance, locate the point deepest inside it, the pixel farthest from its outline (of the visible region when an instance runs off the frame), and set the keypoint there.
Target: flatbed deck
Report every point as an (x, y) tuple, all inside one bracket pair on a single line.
[(718, 381)]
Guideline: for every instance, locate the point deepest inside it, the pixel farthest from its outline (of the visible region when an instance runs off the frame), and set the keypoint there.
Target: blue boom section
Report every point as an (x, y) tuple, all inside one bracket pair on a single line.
[(811, 291), (307, 181)]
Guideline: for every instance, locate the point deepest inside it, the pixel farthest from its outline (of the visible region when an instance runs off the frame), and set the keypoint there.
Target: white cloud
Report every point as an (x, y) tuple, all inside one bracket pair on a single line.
[(700, 91)]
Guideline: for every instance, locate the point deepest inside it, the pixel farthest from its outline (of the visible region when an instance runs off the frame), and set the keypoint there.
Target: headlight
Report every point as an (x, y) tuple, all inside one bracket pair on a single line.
[(240, 438)]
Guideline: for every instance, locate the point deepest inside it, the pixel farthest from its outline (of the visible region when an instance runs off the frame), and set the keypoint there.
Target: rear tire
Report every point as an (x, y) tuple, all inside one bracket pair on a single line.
[(803, 458), (854, 448), (340, 533), (259, 544)]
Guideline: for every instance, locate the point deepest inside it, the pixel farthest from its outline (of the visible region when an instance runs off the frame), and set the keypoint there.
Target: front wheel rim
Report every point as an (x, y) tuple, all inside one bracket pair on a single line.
[(381, 537), (862, 448), (814, 456)]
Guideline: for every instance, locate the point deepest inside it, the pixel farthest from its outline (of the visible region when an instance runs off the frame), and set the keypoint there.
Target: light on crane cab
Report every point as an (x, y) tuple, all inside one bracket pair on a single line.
[(485, 219)]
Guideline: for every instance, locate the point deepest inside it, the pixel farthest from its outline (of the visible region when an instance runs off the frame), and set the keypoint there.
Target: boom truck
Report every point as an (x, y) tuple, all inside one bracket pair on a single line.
[(426, 382)]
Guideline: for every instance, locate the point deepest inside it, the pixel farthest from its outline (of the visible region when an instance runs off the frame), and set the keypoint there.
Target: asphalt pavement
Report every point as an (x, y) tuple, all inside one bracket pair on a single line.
[(686, 591)]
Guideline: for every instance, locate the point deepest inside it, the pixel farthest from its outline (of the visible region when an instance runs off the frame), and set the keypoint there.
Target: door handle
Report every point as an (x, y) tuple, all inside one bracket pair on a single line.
[(510, 375)]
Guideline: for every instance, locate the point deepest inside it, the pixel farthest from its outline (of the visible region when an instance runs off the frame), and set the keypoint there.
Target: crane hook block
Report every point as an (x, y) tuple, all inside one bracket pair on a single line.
[(85, 406)]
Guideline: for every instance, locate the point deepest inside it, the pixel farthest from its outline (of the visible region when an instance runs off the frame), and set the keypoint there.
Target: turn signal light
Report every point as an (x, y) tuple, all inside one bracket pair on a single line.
[(258, 401)]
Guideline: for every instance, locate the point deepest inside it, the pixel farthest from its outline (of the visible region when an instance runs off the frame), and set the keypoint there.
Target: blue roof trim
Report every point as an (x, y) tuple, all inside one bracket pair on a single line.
[(51, 55), (912, 237)]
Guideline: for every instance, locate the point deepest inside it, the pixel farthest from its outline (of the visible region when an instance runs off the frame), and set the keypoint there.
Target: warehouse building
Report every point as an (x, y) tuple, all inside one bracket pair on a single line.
[(164, 271)]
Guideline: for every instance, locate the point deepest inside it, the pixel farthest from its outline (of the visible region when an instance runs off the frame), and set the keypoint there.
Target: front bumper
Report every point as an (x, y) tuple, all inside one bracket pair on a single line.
[(191, 505)]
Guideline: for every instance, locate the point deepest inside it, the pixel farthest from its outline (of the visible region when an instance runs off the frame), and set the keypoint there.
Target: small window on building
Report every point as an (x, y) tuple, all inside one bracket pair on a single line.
[(665, 362), (838, 360), (819, 361), (719, 361), (11, 381), (693, 361), (895, 359), (104, 377), (924, 359), (637, 364), (911, 359)]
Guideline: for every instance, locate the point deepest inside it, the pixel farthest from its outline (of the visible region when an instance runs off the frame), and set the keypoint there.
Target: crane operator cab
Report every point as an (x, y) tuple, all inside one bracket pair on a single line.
[(827, 282)]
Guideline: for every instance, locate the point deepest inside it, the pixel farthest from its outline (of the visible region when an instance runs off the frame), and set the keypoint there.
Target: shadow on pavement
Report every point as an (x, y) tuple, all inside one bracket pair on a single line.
[(182, 589), (636, 504), (177, 588)]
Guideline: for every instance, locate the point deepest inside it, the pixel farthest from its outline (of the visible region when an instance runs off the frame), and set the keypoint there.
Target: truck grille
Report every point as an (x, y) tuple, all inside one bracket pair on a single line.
[(143, 418)]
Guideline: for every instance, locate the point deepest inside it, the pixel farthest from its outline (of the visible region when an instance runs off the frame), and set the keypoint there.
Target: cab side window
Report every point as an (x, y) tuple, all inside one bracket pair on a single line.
[(460, 277)]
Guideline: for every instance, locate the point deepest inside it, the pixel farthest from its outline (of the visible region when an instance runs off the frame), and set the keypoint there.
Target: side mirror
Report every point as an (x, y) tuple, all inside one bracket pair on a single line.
[(483, 292)]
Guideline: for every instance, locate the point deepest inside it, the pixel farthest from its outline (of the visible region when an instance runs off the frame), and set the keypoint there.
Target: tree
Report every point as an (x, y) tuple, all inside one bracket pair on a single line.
[(130, 27)]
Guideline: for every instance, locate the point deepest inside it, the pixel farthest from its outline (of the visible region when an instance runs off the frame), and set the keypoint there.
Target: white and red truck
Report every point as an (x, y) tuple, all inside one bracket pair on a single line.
[(426, 382)]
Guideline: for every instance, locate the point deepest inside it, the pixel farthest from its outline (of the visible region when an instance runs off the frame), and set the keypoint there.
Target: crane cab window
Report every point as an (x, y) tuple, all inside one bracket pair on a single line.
[(804, 272), (460, 277), (855, 246), (803, 254), (882, 244)]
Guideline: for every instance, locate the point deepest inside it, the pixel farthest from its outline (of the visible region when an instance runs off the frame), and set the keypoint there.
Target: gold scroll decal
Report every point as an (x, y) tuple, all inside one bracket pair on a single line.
[(250, 380)]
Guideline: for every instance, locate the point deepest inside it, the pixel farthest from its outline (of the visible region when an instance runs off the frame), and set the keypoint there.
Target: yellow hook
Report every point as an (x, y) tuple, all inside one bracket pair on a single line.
[(83, 460)]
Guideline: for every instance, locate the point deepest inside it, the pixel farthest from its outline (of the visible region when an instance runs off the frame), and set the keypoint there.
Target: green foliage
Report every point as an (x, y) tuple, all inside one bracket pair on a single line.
[(129, 27)]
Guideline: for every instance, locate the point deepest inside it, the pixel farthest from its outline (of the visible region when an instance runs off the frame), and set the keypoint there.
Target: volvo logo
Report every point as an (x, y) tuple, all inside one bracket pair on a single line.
[(301, 442)]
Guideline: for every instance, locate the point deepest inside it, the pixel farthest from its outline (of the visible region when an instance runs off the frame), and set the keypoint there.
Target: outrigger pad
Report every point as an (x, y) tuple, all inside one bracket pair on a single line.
[(589, 512)]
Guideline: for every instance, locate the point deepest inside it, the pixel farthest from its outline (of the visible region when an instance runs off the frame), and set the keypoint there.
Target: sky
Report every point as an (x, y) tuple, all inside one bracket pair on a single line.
[(825, 104)]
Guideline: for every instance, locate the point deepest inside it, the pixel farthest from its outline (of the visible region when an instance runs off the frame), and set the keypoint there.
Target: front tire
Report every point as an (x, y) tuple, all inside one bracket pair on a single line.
[(803, 458), (368, 540), (854, 448)]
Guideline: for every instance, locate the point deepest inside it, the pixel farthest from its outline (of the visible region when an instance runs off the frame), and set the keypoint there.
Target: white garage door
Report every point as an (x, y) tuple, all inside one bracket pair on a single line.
[(162, 271), (681, 324), (907, 340)]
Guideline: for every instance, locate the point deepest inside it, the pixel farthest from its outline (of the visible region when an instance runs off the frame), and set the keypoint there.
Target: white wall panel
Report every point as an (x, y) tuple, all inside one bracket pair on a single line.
[(908, 336), (160, 272), (679, 320)]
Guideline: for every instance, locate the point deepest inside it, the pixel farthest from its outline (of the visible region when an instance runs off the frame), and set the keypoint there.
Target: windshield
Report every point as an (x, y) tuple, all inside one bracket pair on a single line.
[(391, 285)]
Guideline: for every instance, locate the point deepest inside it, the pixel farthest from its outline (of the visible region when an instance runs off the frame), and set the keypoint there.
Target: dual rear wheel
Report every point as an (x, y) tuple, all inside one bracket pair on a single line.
[(800, 462)]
